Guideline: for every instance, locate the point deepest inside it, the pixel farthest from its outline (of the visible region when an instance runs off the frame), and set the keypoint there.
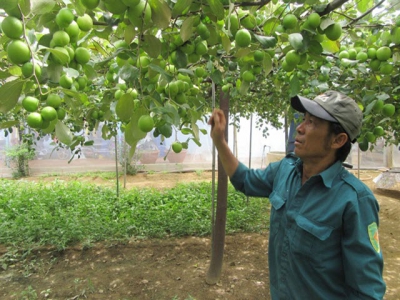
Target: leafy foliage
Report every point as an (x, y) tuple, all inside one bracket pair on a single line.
[(132, 58)]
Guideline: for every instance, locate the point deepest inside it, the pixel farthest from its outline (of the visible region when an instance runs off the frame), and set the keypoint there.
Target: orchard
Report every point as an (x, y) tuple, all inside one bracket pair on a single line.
[(139, 65)]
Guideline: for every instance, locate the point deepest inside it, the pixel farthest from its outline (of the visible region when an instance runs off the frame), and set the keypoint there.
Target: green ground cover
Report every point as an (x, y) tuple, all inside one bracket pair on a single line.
[(63, 213)]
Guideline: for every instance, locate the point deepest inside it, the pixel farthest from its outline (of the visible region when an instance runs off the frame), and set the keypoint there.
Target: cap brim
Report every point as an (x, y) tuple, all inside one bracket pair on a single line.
[(303, 105)]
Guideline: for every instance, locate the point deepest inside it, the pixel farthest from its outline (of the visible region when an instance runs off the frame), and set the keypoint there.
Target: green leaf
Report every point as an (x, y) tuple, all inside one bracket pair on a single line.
[(244, 87), (266, 41), (195, 128), (128, 72), (160, 70), (326, 22), (9, 94), (180, 6), (166, 130), (132, 133), (267, 64), (169, 114), (369, 107), (125, 107), (129, 33), (91, 143), (51, 127), (7, 4), (217, 8), (40, 7), (181, 59), (315, 47), (364, 5), (8, 124), (161, 13), (216, 76), (187, 28), (270, 25), (296, 41), (4, 74), (186, 71), (294, 86), (329, 46), (152, 45), (186, 131), (383, 96), (62, 57), (63, 133), (226, 43), (15, 71)]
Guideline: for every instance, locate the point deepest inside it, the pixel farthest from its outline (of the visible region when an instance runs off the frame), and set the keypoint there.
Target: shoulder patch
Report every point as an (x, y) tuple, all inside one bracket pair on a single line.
[(374, 236)]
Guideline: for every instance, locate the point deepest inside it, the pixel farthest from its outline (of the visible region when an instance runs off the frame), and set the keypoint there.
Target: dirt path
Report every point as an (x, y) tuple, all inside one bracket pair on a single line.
[(172, 268)]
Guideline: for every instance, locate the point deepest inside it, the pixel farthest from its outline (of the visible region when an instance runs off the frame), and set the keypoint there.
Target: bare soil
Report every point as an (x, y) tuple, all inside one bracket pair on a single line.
[(171, 268)]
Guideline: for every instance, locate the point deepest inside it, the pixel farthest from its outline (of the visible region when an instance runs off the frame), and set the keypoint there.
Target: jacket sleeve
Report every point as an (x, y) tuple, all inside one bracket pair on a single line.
[(362, 255), (255, 182)]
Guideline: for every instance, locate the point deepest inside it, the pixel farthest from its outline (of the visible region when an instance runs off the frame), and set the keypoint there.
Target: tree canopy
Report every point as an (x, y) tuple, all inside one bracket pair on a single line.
[(138, 65)]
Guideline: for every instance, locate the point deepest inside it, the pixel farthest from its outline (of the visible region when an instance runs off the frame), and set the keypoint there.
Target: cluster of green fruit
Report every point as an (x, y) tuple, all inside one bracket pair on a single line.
[(369, 136), (290, 24), (378, 58), (146, 124), (63, 37), (41, 117), (61, 40), (18, 51)]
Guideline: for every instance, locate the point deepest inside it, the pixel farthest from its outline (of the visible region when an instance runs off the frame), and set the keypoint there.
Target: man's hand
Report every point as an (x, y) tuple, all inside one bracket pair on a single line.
[(218, 125)]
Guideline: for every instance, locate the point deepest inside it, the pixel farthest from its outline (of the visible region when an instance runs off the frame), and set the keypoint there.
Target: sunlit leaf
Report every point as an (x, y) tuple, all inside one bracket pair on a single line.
[(326, 22), (39, 7), (63, 133), (124, 107), (364, 5), (270, 25), (267, 64), (329, 46), (296, 41)]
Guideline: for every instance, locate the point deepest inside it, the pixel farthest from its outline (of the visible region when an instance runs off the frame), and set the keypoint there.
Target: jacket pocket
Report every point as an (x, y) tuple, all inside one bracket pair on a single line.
[(311, 237), (277, 203)]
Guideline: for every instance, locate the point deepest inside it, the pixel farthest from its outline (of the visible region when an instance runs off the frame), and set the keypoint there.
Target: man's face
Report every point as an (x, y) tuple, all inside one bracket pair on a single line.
[(313, 140)]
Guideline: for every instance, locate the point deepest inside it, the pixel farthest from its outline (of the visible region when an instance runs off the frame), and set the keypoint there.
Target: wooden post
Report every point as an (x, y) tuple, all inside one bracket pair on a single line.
[(218, 230)]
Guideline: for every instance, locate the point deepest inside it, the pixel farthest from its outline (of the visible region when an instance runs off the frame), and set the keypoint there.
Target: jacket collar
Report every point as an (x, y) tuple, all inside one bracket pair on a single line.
[(327, 176)]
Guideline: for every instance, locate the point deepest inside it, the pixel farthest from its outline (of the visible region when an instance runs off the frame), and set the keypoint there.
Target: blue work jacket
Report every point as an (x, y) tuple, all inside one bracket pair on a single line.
[(323, 241)]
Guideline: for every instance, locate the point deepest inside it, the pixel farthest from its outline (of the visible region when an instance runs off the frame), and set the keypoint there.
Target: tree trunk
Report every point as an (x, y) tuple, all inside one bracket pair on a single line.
[(218, 230)]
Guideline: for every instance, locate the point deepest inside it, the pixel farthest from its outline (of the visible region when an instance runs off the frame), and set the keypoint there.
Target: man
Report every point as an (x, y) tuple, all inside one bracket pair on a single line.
[(323, 241)]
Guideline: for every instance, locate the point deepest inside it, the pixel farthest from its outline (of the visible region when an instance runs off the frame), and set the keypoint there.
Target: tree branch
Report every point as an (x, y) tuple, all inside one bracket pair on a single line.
[(332, 6), (366, 13), (258, 3)]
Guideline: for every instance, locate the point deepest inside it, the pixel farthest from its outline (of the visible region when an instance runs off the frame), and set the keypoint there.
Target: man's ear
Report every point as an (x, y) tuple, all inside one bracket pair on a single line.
[(339, 140)]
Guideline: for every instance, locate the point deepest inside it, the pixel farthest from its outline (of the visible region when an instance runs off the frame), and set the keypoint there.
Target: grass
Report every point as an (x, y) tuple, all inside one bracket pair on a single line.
[(64, 213)]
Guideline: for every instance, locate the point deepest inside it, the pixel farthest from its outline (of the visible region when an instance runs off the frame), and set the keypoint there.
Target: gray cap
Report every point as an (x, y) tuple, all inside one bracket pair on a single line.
[(334, 107)]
